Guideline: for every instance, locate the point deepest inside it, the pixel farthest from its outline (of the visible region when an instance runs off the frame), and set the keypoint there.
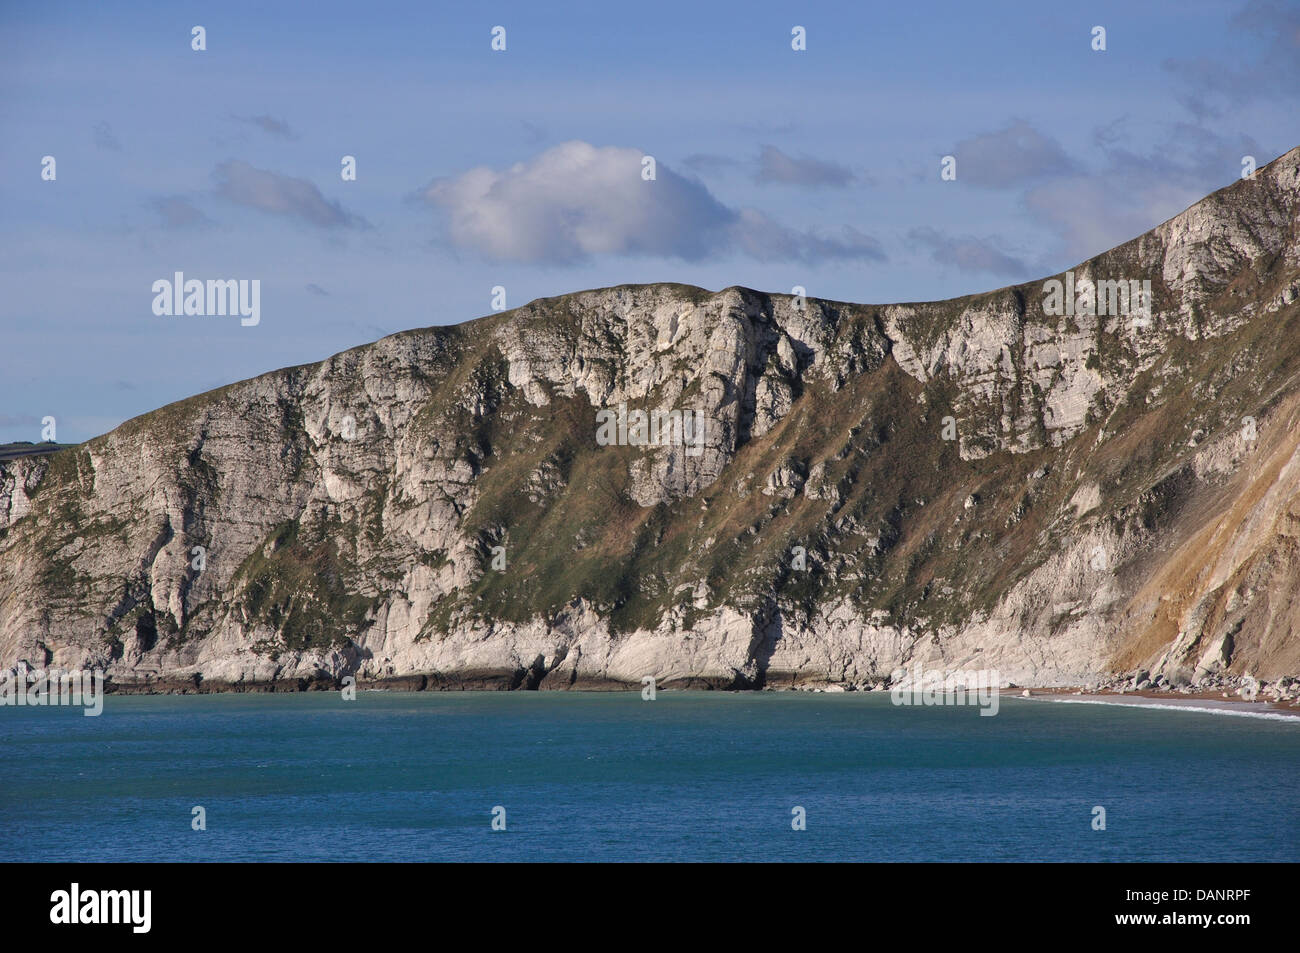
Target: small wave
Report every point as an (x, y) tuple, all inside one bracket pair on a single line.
[(1165, 706)]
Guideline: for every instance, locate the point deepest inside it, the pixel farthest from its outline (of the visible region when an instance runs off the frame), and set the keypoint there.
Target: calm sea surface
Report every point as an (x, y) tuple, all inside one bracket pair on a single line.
[(689, 776)]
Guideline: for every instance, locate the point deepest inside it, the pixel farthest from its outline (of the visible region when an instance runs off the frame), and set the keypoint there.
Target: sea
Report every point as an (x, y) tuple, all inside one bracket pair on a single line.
[(687, 776)]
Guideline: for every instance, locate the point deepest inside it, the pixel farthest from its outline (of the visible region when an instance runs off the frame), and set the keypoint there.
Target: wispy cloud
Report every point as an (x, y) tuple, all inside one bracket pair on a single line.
[(534, 133), (277, 194), (1012, 156), (268, 124), (104, 138), (968, 253), (1133, 191), (774, 166), (575, 201), (176, 211), (707, 163), (1211, 85), (763, 239)]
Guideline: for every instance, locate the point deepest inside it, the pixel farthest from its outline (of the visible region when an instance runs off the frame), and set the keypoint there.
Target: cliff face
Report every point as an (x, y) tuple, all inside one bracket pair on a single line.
[(972, 483)]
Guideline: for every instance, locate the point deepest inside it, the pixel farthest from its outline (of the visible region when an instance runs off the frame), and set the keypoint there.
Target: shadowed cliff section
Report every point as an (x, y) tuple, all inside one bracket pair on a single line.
[(971, 483)]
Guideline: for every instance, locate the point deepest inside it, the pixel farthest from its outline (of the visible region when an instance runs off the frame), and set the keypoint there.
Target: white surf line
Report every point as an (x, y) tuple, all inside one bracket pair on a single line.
[(1164, 706)]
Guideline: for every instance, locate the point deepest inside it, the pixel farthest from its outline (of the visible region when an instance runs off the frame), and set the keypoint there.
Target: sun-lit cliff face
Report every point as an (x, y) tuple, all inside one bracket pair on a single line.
[(974, 483)]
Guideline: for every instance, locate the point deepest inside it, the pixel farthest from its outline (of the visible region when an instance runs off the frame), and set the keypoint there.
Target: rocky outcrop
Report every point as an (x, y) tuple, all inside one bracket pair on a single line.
[(974, 483)]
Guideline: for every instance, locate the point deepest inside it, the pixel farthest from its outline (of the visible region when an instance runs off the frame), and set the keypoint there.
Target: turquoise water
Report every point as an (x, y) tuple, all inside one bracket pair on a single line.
[(689, 776)]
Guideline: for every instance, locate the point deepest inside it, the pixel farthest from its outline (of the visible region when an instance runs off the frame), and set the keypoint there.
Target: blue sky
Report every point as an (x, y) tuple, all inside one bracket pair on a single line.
[(478, 168)]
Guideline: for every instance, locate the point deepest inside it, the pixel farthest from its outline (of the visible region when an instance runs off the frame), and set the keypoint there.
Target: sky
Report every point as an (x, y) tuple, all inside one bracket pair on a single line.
[(524, 168)]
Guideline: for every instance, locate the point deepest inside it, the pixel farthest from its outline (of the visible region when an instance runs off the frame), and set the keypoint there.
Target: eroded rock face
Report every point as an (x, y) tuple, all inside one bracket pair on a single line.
[(972, 484)]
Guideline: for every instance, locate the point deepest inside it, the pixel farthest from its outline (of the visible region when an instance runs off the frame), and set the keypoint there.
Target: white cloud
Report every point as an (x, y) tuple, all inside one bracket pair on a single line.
[(575, 201)]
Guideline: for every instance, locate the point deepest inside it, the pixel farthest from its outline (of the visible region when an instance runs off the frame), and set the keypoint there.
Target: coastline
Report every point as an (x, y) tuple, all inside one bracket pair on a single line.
[(1201, 702), (470, 680), (493, 680)]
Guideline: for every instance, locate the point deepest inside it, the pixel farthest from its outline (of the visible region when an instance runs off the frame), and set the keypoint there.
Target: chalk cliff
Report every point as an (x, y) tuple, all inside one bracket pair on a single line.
[(970, 483)]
